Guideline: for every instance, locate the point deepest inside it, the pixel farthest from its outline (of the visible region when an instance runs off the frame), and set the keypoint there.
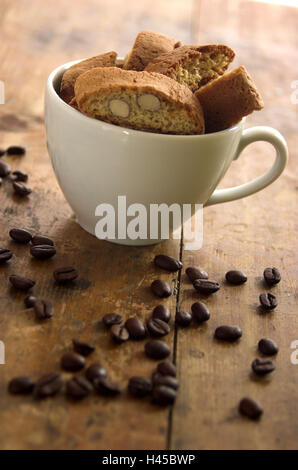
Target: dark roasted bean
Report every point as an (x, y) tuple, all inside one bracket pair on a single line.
[(228, 333), (164, 395), (78, 388), (194, 273), (250, 408), (21, 385), (236, 277), (42, 251), (157, 327), (5, 255), (119, 333), (15, 150), (48, 385), (95, 371), (200, 312), (268, 301), (157, 349), (167, 262), (21, 189), (19, 176), (105, 386), (161, 288), (21, 283), (267, 346), (65, 274), (272, 276), (41, 240), (139, 386), (206, 286), (111, 319), (43, 309), (162, 313), (30, 301), (166, 368), (20, 235), (166, 380), (262, 366), (135, 328), (82, 347), (183, 318), (2, 152), (4, 169), (72, 361), (1, 181)]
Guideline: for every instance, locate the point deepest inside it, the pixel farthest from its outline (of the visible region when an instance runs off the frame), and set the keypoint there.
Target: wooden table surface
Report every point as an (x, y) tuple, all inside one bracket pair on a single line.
[(251, 234)]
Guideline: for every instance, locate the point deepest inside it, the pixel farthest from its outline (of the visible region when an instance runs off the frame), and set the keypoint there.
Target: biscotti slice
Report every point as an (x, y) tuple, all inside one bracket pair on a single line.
[(193, 66), (139, 100), (70, 75), (228, 99), (147, 46)]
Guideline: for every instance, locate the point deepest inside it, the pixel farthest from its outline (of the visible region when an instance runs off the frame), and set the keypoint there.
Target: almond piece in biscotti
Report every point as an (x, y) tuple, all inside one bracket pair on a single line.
[(148, 102), (119, 108)]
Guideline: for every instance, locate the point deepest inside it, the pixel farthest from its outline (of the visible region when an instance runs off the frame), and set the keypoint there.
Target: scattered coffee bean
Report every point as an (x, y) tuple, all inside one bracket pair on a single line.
[(15, 150), (1, 181), (119, 333), (105, 386), (43, 309), (72, 361), (21, 385), (228, 333), (250, 408), (183, 318), (5, 255), (272, 276), (20, 235), (262, 366), (157, 349), (21, 283), (41, 240), (157, 327), (18, 175), (30, 301), (48, 385), (194, 273), (236, 277), (268, 301), (168, 263), (163, 395), (161, 288), (82, 347), (135, 328), (162, 313), (111, 319), (206, 286), (165, 380), (78, 388), (42, 251), (2, 152), (21, 189), (166, 368), (4, 169), (267, 346), (65, 274), (139, 386), (200, 312), (95, 371)]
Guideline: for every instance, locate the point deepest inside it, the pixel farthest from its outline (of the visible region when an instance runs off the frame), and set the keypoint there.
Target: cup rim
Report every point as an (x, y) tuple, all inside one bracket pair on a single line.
[(123, 130)]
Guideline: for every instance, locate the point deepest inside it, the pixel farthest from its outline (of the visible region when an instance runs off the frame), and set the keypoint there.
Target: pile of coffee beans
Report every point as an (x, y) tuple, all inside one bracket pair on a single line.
[(17, 178)]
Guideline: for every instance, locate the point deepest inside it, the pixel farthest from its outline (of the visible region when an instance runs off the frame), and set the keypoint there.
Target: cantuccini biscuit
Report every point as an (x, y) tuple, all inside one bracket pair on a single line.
[(139, 100), (193, 66), (147, 46), (69, 77), (228, 99)]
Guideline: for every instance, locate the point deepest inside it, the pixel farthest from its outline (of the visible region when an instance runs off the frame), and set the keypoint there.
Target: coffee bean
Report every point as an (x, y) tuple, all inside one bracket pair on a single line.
[(21, 189), (21, 385), (250, 408), (200, 312), (20, 235), (165, 380), (268, 301), (157, 349), (1, 181), (228, 333), (139, 386), (41, 240), (15, 150), (78, 388), (166, 368), (194, 273), (48, 385), (82, 347), (262, 366), (111, 319), (163, 395), (104, 386), (95, 371), (135, 328), (19, 176), (236, 277), (43, 309), (42, 251), (162, 313), (267, 346), (72, 361), (21, 283), (183, 318), (206, 286), (161, 288), (5, 255), (4, 169), (272, 276), (65, 274), (157, 327), (2, 152), (30, 301), (119, 333), (168, 263)]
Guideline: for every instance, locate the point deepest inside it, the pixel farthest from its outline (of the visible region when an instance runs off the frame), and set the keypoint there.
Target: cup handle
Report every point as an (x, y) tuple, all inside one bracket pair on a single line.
[(254, 134)]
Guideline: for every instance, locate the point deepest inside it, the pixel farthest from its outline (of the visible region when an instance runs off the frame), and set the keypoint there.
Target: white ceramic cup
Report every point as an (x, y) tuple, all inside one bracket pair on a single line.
[(95, 162)]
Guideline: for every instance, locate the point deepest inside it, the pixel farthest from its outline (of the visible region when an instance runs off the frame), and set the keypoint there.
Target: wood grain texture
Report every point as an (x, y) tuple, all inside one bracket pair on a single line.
[(250, 234)]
